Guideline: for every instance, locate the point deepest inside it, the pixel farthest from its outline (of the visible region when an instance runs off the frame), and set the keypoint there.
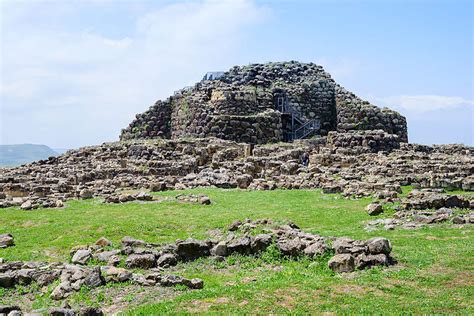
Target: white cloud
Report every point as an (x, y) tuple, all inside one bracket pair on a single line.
[(420, 104), (84, 86)]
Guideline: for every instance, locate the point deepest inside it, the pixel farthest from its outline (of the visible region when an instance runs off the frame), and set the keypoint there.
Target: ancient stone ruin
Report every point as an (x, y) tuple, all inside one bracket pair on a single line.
[(263, 103), (153, 260), (246, 128)]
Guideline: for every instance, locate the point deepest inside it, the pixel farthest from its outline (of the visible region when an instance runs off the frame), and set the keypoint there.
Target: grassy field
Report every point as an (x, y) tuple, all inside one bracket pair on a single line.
[(435, 273)]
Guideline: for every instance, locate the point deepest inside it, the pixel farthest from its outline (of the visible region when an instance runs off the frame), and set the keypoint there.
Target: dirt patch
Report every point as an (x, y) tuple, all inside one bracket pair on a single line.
[(463, 278), (197, 306), (355, 290), (344, 289), (123, 298), (286, 297)]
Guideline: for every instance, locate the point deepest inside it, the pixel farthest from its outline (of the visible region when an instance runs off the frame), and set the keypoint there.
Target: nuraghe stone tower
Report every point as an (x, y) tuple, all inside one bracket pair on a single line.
[(262, 103)]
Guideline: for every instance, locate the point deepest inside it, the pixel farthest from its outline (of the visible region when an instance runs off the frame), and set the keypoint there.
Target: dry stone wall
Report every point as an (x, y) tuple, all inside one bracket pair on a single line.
[(245, 105), (353, 113), (364, 141)]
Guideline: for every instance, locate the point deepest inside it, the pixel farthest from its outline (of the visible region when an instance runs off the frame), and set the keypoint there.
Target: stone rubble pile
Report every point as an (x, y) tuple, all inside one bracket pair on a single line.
[(363, 141), (422, 208), (289, 240), (194, 198), (107, 170), (152, 260), (420, 200), (420, 218), (13, 310), (74, 276), (124, 197)]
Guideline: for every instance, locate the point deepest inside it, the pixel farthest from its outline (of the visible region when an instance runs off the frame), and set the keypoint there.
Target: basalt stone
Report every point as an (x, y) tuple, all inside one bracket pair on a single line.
[(379, 245), (86, 194), (6, 309), (7, 280), (374, 209), (93, 278), (81, 256), (158, 186), (459, 220), (366, 261), (90, 311), (105, 256), (261, 242), (220, 249), (103, 242), (316, 249), (167, 260), (142, 261), (342, 263), (239, 245), (173, 280), (235, 225), (27, 205), (191, 249), (6, 240), (131, 242), (292, 247), (113, 274)]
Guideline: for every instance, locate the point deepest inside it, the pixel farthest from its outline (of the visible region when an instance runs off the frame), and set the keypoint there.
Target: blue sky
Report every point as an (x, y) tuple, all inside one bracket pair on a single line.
[(73, 73)]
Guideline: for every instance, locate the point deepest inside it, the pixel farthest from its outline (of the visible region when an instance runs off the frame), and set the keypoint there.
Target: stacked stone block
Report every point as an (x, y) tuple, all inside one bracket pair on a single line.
[(242, 106)]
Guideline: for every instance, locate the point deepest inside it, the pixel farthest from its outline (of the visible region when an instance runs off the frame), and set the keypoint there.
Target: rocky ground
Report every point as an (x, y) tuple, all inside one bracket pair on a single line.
[(356, 164), (422, 208), (146, 264)]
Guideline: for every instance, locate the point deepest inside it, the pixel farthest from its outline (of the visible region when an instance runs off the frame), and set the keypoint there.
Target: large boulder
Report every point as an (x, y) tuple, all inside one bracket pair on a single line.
[(261, 242), (191, 249), (367, 261), (27, 205), (379, 245), (113, 274), (239, 245), (167, 260), (142, 261), (86, 194), (291, 247), (220, 249), (6, 240), (131, 242), (316, 249), (7, 309), (374, 209), (342, 263), (7, 280), (103, 242), (81, 256)]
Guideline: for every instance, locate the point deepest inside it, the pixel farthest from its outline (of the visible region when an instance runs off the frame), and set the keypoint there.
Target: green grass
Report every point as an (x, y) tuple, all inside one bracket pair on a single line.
[(435, 272)]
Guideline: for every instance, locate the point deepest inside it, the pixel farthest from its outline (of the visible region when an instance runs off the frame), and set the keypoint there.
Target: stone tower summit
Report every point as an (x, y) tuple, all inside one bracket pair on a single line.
[(262, 103)]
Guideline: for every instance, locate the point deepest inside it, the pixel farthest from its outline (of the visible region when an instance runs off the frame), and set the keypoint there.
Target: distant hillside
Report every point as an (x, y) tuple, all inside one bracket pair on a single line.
[(15, 155)]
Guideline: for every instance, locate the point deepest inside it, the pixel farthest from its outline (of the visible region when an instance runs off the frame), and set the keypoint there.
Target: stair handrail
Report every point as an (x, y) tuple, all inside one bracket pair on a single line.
[(306, 129)]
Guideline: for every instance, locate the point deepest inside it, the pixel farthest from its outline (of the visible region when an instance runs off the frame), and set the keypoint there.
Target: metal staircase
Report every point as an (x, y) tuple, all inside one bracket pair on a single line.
[(300, 127)]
